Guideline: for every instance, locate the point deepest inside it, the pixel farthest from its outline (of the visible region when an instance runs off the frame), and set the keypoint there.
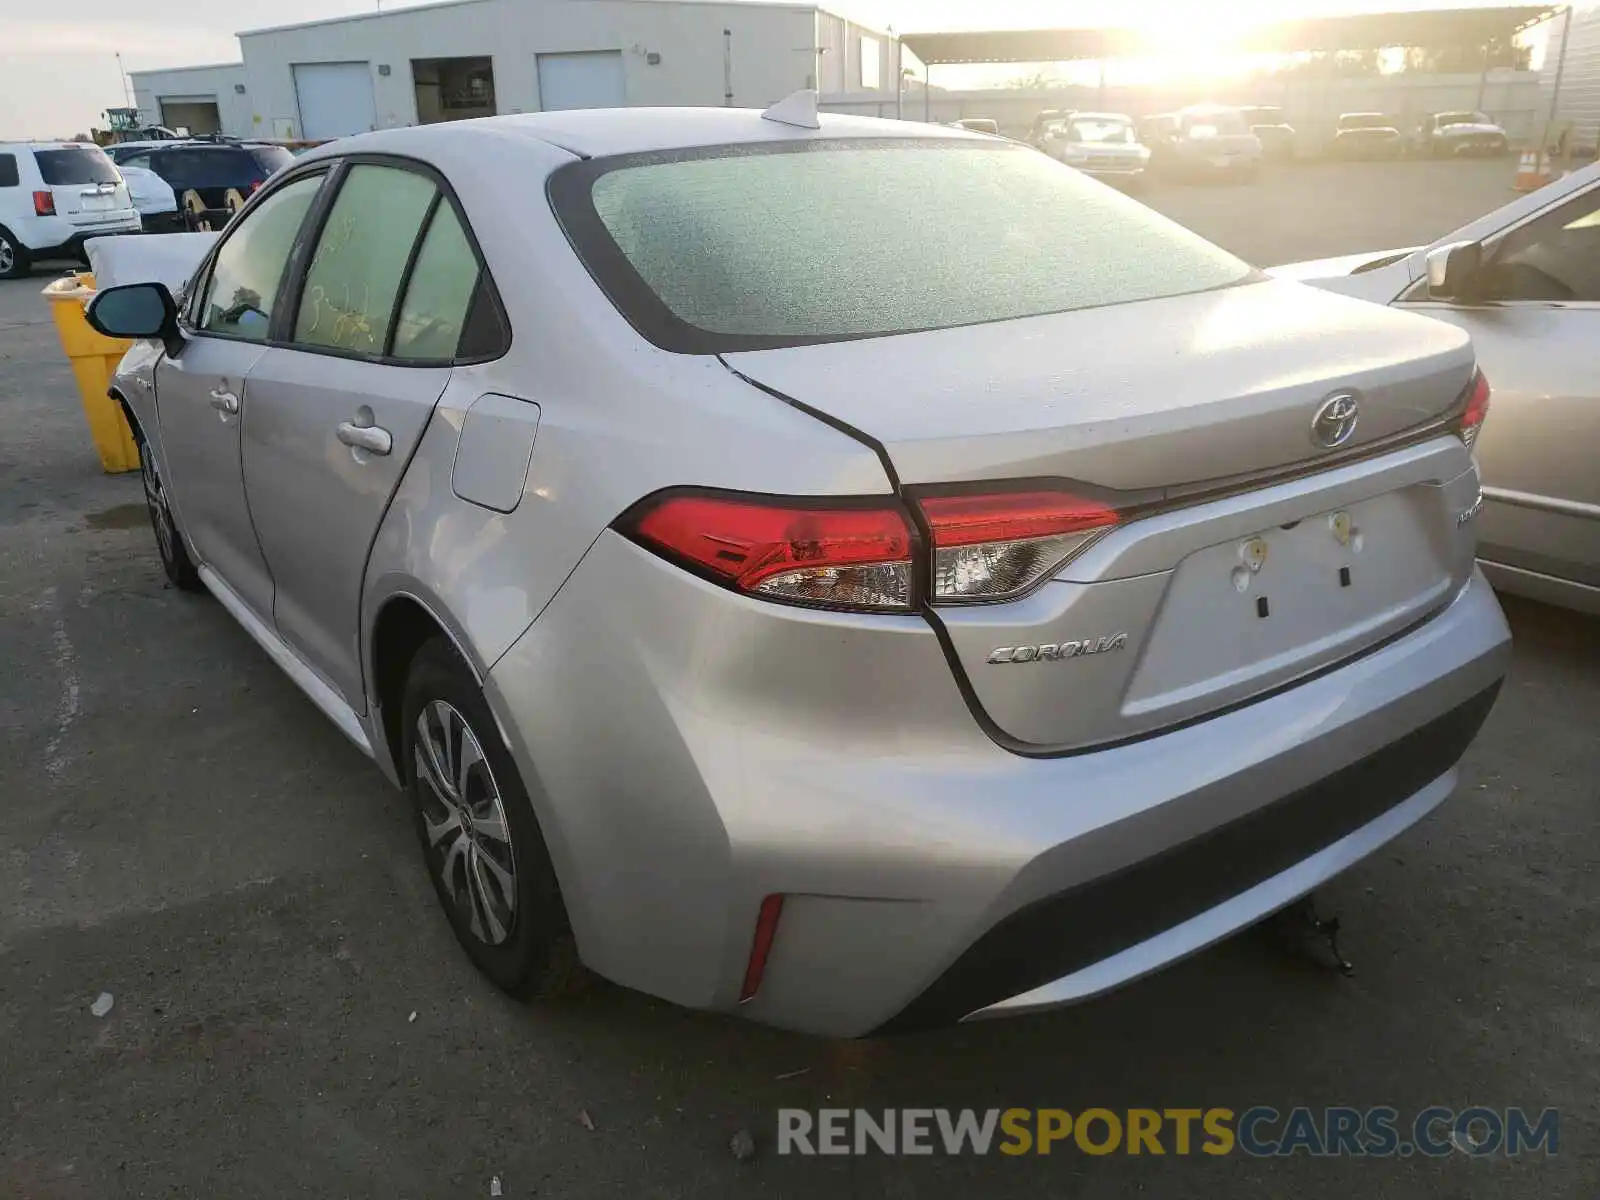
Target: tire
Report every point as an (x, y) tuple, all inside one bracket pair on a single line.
[(170, 545), (15, 261), (517, 934)]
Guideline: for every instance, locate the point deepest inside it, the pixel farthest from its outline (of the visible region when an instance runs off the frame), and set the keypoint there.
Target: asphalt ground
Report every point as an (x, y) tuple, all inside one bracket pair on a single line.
[(181, 829)]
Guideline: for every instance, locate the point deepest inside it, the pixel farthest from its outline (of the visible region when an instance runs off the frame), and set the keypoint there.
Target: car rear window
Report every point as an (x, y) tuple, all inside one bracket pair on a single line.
[(207, 167), (271, 158), (791, 243), (80, 164)]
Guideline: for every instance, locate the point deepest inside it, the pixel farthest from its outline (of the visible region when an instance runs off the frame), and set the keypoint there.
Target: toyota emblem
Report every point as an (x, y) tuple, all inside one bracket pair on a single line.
[(1335, 420)]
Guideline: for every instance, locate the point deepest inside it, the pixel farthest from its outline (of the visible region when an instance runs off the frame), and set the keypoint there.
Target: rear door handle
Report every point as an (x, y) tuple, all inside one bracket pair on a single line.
[(224, 401), (372, 438)]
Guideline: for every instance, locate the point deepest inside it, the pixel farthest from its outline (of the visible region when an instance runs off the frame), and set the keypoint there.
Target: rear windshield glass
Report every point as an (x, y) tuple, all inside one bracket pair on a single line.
[(1092, 129), (88, 164), (271, 158), (784, 244), (1211, 124), (206, 166)]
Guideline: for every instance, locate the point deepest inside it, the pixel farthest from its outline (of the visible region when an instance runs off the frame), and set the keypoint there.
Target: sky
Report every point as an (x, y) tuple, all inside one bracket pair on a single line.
[(58, 73)]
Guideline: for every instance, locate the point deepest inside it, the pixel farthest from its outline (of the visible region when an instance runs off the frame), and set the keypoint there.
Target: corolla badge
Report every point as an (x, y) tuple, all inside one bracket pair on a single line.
[(1057, 651), (1335, 420)]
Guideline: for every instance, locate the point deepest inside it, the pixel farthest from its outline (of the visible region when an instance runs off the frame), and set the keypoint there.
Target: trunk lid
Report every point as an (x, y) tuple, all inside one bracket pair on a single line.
[(1254, 555), (1159, 394)]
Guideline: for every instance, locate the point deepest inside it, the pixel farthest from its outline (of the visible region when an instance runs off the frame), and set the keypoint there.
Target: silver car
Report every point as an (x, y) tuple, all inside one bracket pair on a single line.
[(795, 572), (1524, 281)]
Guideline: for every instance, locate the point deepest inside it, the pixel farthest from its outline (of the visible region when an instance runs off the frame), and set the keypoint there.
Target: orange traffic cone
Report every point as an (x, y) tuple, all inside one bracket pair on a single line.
[(1531, 172)]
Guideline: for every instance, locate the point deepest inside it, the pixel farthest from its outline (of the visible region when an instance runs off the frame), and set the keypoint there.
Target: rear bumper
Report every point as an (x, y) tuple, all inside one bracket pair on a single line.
[(1093, 937), (71, 238), (702, 751), (1116, 175), (163, 222)]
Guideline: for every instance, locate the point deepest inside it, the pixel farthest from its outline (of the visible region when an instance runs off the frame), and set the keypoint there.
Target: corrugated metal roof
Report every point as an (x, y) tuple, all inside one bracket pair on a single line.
[(1354, 31)]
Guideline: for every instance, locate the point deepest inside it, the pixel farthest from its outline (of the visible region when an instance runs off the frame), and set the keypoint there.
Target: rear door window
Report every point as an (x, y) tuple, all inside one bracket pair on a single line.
[(360, 259), (440, 293), (8, 170), (80, 164)]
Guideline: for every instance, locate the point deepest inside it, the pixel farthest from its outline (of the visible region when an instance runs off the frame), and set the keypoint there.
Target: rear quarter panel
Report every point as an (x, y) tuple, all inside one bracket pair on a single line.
[(618, 419)]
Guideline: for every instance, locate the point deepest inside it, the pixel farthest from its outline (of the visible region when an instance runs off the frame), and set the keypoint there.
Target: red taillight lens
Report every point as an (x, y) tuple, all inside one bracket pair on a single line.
[(761, 946), (833, 555), (998, 545), (1476, 410), (255, 186), (44, 204)]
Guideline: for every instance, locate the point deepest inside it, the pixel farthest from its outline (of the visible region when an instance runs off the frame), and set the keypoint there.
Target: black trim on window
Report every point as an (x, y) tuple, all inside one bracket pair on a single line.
[(280, 336), (195, 302), (208, 264), (281, 331), (406, 272)]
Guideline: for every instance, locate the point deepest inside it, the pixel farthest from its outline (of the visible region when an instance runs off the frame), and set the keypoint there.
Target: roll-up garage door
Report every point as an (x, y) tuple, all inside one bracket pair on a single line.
[(335, 99)]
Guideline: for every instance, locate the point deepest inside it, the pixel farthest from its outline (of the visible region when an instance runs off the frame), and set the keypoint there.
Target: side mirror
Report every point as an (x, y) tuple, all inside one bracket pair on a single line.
[(1451, 269), (136, 310)]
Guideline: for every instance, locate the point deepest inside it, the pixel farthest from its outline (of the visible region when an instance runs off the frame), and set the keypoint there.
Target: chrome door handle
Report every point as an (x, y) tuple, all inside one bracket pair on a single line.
[(372, 438), (224, 401)]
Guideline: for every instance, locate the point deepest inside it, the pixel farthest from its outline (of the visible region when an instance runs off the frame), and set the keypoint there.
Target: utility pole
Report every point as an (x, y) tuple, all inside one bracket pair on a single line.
[(899, 77), (1555, 90)]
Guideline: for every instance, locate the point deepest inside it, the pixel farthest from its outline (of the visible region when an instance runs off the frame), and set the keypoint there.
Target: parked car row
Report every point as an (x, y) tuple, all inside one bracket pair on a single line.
[(1436, 135), (211, 177), (1184, 135), (56, 195)]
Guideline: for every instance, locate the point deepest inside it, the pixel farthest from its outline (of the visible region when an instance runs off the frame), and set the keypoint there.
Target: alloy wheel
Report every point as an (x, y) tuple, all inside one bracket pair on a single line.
[(155, 499), (8, 257), (464, 816)]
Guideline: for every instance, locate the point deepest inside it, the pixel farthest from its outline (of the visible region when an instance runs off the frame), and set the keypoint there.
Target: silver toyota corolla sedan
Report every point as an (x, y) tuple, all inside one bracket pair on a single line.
[(793, 571), (1524, 281)]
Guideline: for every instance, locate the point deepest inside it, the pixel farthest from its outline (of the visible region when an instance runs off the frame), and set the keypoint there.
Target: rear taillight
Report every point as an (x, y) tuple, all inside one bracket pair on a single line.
[(761, 946), (850, 554), (44, 204), (862, 553), (992, 546), (255, 185), (1477, 408)]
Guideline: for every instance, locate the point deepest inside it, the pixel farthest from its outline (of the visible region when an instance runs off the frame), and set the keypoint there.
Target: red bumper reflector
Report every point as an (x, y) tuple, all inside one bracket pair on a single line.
[(761, 946)]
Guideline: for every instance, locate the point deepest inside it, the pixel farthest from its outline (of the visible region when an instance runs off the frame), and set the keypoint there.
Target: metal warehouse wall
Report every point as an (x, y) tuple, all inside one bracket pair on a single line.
[(1579, 101), (216, 82), (773, 52), (839, 58)]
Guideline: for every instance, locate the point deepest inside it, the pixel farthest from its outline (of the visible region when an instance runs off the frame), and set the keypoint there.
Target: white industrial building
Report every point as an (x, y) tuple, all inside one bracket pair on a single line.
[(1579, 98), (471, 58)]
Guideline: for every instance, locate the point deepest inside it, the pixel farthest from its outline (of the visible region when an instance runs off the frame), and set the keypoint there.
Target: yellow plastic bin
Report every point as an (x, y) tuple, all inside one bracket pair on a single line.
[(94, 359)]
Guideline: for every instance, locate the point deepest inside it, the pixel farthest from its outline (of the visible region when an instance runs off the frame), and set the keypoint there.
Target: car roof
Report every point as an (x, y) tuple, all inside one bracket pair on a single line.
[(1102, 116), (20, 144), (600, 132)]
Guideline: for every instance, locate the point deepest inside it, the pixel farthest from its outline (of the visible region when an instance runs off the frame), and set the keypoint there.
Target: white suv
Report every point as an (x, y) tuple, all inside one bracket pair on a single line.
[(53, 197)]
